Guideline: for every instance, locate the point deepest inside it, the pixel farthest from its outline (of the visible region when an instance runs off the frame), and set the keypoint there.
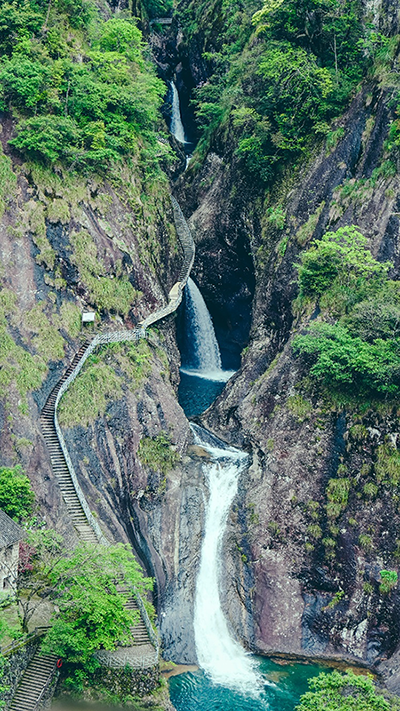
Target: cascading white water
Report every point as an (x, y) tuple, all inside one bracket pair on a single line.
[(205, 345), (205, 354), (176, 119), (221, 657)]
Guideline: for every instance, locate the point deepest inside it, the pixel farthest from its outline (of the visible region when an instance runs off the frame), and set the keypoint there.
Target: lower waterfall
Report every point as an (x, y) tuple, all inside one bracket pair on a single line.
[(221, 657)]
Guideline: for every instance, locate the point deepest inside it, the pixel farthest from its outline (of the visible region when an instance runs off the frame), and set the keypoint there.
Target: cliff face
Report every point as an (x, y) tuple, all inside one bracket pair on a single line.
[(297, 578)]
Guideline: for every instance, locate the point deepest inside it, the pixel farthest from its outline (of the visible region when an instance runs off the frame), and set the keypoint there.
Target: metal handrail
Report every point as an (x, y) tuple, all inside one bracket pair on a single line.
[(46, 686), (188, 247), (146, 619), (22, 641)]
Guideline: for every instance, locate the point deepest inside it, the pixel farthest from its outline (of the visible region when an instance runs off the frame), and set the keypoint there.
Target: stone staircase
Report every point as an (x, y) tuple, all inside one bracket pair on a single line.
[(35, 682), (144, 649), (140, 635), (58, 463)]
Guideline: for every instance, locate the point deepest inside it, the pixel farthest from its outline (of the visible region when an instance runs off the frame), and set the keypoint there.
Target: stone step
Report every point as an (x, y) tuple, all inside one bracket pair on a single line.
[(34, 680)]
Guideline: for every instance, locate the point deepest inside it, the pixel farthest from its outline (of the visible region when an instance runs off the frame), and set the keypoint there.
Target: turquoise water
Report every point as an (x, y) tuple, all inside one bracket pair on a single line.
[(196, 393), (281, 688)]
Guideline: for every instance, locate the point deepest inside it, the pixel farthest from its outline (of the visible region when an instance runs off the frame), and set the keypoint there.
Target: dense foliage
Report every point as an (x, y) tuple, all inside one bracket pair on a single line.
[(16, 495), (80, 88), (157, 8), (85, 585), (355, 345), (91, 611), (279, 74), (343, 692)]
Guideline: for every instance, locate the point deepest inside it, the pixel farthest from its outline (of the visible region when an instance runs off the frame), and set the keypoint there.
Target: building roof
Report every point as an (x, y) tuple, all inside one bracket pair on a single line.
[(10, 532)]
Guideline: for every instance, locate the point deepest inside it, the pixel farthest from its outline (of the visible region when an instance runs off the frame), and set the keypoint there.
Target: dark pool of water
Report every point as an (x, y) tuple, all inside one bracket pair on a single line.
[(197, 394), (283, 686)]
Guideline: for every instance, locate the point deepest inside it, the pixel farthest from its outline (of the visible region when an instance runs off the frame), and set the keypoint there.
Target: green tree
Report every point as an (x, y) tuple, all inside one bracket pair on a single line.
[(87, 114), (341, 361), (342, 692), (91, 615), (39, 553), (16, 495), (340, 256)]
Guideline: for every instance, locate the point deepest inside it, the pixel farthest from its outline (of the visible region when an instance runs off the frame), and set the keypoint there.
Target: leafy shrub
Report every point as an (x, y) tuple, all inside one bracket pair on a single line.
[(157, 453), (359, 354), (368, 588), (341, 361), (83, 114), (370, 490), (16, 495), (90, 612), (340, 256), (158, 8), (342, 692), (338, 492), (315, 531), (366, 542), (389, 581), (387, 466), (299, 407), (276, 216), (277, 78)]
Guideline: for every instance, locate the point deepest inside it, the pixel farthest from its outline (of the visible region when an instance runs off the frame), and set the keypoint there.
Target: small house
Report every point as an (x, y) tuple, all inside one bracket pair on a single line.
[(10, 536)]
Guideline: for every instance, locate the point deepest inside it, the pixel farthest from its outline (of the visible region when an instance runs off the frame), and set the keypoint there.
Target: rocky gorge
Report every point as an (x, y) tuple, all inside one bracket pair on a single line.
[(299, 577)]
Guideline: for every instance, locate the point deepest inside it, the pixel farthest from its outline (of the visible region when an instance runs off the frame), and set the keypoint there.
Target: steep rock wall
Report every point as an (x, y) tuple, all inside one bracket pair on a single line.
[(281, 572)]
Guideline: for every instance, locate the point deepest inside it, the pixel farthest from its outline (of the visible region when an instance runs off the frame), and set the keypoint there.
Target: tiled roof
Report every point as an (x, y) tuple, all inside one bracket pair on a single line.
[(10, 532)]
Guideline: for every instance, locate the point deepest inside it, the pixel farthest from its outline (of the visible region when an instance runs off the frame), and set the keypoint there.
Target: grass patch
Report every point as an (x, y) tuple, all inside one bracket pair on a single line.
[(366, 542), (58, 211), (89, 394), (70, 318), (46, 339), (109, 293), (134, 359), (387, 467), (338, 494), (17, 365), (314, 531), (389, 580), (299, 407), (33, 219), (157, 453), (307, 230), (8, 182)]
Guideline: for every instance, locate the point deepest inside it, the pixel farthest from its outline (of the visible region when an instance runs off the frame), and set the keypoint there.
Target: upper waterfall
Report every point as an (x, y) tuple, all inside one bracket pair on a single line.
[(176, 119), (205, 345), (204, 359)]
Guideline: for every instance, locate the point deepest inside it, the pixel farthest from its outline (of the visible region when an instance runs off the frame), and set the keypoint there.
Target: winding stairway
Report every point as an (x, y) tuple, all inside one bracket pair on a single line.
[(144, 649)]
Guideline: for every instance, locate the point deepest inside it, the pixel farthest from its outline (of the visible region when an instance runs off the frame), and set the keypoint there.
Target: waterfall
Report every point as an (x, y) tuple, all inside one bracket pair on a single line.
[(204, 358), (218, 653), (176, 119)]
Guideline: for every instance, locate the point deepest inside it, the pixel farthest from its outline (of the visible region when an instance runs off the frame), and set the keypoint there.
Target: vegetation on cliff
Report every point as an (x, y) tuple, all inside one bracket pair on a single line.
[(78, 591), (344, 692), (354, 346), (79, 88), (16, 495), (278, 74)]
